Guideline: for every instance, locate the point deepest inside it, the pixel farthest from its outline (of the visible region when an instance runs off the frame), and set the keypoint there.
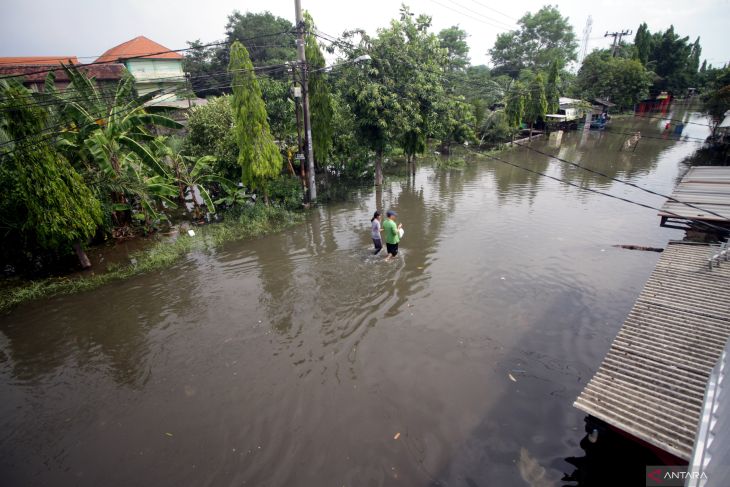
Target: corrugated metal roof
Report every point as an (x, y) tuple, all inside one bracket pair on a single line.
[(651, 383), (707, 187), (38, 73)]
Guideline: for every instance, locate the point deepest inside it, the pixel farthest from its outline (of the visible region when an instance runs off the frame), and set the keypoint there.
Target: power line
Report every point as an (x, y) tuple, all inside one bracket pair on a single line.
[(106, 95), (491, 24), (694, 140), (489, 19), (56, 127), (495, 10), (622, 181), (114, 61), (584, 188), (672, 120)]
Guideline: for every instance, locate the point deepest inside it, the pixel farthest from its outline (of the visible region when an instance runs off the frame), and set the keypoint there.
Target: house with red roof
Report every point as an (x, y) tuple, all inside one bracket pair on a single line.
[(153, 66)]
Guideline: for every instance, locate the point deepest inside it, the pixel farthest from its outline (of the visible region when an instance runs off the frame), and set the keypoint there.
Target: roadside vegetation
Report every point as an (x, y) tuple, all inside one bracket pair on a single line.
[(81, 167)]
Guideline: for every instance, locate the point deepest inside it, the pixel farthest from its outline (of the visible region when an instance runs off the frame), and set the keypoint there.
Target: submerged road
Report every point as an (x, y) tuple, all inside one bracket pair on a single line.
[(300, 359)]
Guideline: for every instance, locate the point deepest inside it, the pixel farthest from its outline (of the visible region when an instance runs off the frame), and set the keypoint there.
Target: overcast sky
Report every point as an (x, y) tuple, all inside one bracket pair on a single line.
[(87, 28)]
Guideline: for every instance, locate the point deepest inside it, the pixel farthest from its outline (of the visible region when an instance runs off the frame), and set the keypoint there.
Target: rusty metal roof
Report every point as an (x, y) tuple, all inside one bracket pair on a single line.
[(38, 73), (651, 383), (38, 60)]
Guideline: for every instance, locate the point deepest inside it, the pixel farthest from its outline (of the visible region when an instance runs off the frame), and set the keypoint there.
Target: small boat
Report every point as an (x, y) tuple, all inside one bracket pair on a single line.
[(598, 124)]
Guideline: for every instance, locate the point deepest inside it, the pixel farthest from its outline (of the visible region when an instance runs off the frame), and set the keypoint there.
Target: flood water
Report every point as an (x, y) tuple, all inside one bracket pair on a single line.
[(299, 359)]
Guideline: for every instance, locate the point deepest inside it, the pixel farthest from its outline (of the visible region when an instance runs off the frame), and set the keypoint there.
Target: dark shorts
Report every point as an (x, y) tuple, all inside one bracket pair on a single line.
[(392, 249), (378, 244)]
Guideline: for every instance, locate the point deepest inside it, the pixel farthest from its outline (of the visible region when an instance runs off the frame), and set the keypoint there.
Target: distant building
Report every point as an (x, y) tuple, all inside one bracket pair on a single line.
[(32, 71), (153, 66)]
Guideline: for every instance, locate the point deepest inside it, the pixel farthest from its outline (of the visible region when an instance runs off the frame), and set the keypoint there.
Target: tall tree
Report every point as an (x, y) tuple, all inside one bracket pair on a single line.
[(453, 39), (536, 106), (551, 89), (515, 105), (643, 43), (258, 154), (320, 99), (542, 38), (263, 35), (394, 97), (52, 206), (623, 81), (671, 55)]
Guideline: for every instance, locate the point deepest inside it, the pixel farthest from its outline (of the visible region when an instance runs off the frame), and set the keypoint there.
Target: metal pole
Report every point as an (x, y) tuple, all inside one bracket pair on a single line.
[(308, 153)]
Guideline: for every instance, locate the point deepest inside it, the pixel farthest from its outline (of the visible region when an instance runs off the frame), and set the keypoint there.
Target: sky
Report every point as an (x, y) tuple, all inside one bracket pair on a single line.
[(87, 28)]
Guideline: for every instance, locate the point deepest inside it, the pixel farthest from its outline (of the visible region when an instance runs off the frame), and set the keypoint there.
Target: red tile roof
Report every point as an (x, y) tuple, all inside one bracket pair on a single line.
[(139, 46), (39, 60)]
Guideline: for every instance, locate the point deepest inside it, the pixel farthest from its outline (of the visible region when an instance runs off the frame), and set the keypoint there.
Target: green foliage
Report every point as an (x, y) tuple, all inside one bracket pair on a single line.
[(673, 59), (536, 105), (514, 108), (456, 122), (210, 132), (52, 207), (394, 97), (350, 157), (279, 109), (717, 102), (551, 89), (643, 43), (624, 81), (258, 155), (542, 38), (258, 32), (320, 100), (286, 191), (495, 128), (453, 39)]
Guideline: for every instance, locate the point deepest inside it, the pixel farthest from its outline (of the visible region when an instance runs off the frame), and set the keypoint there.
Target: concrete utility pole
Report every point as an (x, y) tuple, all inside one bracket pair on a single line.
[(586, 36), (617, 39), (308, 152)]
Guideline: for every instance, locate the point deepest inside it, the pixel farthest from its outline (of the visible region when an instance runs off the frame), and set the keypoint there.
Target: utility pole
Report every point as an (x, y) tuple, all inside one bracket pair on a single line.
[(617, 39), (308, 152), (586, 36)]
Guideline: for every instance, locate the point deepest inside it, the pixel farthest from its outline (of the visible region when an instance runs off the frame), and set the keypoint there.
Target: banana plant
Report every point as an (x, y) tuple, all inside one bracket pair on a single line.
[(102, 131), (191, 174)]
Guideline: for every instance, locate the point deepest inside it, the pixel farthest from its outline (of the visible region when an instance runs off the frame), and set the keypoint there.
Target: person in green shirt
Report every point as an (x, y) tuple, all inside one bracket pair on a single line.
[(392, 234)]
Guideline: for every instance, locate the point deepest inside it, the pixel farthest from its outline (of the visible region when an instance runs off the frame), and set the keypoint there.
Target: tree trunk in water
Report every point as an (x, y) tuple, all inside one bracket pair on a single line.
[(379, 167), (83, 258)]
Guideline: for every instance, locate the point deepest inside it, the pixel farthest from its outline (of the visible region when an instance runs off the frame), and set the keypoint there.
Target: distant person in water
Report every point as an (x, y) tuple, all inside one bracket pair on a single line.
[(392, 234), (376, 230)]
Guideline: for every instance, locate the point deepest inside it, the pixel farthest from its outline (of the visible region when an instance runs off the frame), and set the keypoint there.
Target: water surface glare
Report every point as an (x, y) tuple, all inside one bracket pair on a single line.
[(299, 358)]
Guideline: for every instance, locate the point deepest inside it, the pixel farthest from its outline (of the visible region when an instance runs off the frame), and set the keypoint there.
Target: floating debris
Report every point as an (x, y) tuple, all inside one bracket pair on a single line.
[(397, 435), (640, 247), (512, 378)]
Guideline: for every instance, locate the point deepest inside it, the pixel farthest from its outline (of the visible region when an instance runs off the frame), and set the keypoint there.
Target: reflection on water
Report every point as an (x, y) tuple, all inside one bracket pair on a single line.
[(301, 359)]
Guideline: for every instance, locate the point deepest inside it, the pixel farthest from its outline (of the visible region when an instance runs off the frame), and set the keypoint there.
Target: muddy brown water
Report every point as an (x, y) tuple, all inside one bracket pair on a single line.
[(299, 358)]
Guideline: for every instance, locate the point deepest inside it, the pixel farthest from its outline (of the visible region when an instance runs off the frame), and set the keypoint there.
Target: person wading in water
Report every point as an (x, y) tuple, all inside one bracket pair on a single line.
[(376, 229), (392, 234)]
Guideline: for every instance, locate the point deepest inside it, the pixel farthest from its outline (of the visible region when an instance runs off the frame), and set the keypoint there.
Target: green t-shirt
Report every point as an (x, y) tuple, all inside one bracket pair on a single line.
[(391, 232)]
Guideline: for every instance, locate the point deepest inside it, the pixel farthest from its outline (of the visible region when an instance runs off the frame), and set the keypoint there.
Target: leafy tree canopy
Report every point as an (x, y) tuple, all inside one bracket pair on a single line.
[(542, 38), (623, 81)]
